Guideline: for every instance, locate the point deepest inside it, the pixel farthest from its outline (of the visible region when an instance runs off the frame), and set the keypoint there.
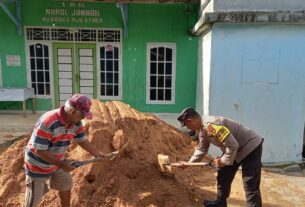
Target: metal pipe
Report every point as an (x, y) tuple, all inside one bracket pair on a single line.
[(124, 11), (8, 12)]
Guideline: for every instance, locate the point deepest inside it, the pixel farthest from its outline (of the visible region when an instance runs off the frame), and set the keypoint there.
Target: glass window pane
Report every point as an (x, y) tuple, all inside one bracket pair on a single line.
[(102, 52), (46, 64), (109, 90), (47, 76), (161, 53), (109, 65), (168, 69), (109, 78), (33, 63), (116, 78), (153, 94), (32, 54), (40, 87), (161, 68), (116, 90), (109, 54), (168, 81), (160, 94), (168, 54), (116, 65), (153, 81), (40, 77), (153, 68), (39, 62), (103, 78), (38, 50), (153, 54), (48, 89), (103, 90), (46, 51), (116, 53), (160, 81), (102, 65), (168, 94), (33, 76)]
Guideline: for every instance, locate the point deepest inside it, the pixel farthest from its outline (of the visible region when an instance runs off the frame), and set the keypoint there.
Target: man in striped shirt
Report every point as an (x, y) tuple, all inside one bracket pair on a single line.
[(45, 152)]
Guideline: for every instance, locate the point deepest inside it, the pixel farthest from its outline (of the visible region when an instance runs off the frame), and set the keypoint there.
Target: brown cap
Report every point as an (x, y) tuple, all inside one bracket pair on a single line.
[(185, 113)]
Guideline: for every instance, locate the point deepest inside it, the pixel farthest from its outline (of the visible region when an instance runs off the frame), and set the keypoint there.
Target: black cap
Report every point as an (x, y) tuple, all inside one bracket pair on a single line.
[(185, 114)]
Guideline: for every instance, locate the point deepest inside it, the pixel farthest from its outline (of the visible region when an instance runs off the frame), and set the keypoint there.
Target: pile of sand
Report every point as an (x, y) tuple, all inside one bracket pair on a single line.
[(133, 178)]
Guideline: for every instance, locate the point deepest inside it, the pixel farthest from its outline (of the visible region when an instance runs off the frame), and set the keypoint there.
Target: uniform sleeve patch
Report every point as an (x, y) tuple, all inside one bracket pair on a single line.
[(211, 130), (221, 132)]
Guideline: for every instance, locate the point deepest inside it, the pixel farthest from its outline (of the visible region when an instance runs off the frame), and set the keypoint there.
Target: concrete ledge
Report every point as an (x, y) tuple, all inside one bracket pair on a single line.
[(170, 118), (207, 20)]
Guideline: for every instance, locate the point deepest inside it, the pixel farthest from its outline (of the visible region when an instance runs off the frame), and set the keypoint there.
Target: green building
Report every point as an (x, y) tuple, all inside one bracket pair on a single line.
[(138, 53)]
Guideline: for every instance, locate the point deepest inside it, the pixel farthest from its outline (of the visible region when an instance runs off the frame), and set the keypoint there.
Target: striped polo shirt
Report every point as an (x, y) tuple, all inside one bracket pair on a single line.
[(50, 134)]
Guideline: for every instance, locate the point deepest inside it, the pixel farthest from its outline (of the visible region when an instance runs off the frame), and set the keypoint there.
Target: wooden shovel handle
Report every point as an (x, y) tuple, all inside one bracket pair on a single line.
[(191, 164)]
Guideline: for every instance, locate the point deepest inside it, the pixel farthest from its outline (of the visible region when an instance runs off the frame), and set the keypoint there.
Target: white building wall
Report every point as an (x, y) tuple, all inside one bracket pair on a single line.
[(203, 74), (256, 5), (258, 78)]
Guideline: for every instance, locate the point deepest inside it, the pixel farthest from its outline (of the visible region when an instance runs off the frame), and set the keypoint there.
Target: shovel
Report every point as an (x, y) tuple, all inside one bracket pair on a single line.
[(166, 166), (109, 156)]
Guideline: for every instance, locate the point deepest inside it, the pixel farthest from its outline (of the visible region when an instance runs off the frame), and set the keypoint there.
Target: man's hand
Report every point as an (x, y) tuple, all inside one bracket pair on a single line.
[(218, 163), (65, 165), (49, 157), (182, 165), (194, 144)]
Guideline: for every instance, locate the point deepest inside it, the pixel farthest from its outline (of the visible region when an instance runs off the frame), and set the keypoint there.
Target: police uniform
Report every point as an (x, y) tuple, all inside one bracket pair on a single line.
[(240, 146)]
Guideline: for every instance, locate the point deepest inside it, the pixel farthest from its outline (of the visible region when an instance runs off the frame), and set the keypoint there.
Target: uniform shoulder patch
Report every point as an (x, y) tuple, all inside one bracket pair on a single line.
[(221, 132), (211, 129)]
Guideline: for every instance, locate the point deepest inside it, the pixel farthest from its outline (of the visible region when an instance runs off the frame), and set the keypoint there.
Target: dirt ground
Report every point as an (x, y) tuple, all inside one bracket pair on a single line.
[(133, 178)]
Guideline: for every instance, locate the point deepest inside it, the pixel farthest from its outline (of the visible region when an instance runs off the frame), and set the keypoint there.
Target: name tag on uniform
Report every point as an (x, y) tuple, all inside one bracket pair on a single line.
[(221, 132)]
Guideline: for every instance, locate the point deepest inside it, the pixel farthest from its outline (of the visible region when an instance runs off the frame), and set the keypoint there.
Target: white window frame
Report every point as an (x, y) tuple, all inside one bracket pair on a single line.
[(165, 45), (98, 46), (28, 66)]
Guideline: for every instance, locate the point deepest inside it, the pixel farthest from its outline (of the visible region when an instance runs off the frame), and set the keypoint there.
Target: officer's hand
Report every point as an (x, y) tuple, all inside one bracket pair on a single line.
[(66, 165), (194, 144), (182, 165), (218, 163)]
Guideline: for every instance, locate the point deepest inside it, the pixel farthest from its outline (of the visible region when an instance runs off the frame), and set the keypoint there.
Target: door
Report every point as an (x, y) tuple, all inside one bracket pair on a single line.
[(74, 70)]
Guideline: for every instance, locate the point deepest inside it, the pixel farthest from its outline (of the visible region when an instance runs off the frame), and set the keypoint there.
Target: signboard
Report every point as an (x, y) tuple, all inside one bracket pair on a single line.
[(13, 60), (71, 12)]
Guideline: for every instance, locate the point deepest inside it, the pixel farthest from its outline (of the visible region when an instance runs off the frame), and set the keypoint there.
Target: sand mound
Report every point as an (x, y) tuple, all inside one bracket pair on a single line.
[(133, 178)]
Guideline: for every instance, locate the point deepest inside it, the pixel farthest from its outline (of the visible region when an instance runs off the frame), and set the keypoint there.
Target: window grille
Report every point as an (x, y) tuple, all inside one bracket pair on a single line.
[(61, 34), (86, 35), (73, 34), (109, 36), (38, 34), (40, 68), (109, 71), (161, 73)]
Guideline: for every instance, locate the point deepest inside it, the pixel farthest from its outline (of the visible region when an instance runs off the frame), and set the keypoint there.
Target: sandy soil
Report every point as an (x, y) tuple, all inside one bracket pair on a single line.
[(133, 178)]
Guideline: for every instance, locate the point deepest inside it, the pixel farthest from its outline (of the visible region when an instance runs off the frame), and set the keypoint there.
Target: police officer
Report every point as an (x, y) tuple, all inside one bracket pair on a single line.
[(240, 146)]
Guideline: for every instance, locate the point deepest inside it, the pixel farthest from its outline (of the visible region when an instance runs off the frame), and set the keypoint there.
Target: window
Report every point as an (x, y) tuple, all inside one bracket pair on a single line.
[(39, 65), (161, 70), (73, 34), (110, 71)]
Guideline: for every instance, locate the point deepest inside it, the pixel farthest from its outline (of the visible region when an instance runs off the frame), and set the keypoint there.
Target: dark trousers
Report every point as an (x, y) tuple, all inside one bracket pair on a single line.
[(251, 174)]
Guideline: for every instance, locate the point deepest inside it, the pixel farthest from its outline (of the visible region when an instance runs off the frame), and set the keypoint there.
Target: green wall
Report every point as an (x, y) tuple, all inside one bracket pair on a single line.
[(148, 23), (12, 44)]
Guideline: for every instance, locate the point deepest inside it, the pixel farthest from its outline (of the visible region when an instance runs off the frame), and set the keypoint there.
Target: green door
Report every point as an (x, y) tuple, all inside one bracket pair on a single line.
[(74, 70)]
